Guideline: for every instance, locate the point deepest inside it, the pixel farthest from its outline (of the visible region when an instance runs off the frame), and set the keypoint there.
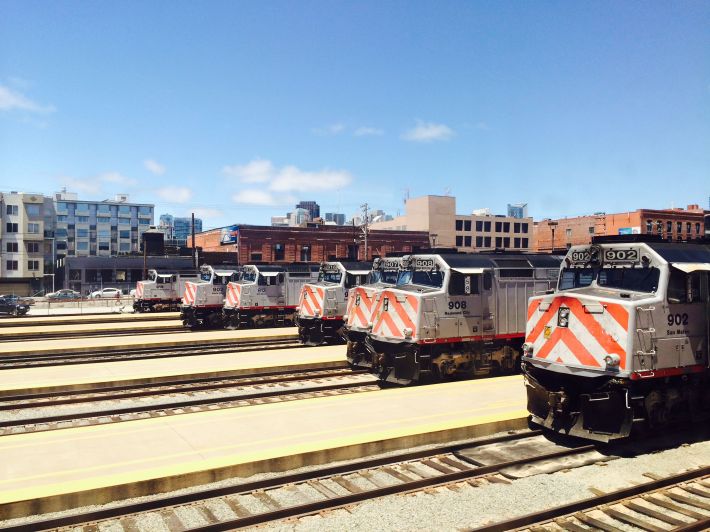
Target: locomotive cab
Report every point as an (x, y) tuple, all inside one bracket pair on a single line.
[(322, 305), (623, 340), (203, 300), (265, 295), (162, 290)]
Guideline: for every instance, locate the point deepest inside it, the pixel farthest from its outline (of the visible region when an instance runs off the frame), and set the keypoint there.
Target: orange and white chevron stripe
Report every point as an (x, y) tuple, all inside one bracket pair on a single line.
[(139, 290), (361, 304), (594, 331), (395, 312), (188, 297), (234, 294), (311, 300)]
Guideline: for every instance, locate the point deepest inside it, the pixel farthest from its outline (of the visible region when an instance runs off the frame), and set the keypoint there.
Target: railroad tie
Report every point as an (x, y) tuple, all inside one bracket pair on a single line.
[(596, 523), (696, 491), (345, 483), (632, 520), (687, 500), (645, 510), (565, 524), (671, 506)]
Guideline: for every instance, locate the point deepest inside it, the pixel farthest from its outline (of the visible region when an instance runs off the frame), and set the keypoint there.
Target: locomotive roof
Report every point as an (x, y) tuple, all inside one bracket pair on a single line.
[(499, 260), (355, 265), (169, 271), (681, 251)]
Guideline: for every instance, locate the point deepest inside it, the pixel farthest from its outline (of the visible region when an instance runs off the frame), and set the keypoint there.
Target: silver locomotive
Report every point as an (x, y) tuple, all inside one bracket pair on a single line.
[(456, 315), (266, 295), (162, 290), (203, 300), (321, 307), (623, 340)]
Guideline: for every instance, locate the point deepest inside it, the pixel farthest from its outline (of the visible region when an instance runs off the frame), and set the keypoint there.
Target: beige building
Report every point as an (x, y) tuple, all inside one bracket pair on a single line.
[(466, 232)]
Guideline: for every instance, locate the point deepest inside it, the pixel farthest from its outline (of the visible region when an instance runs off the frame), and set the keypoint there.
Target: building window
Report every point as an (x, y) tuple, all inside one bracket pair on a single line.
[(11, 265), (104, 246), (669, 227), (32, 247), (516, 242), (103, 233), (124, 220), (679, 227), (33, 228), (60, 233), (256, 257), (459, 225), (516, 227), (103, 220), (82, 219), (487, 242), (499, 227), (105, 209), (506, 242), (33, 265), (525, 243), (649, 226), (125, 246), (591, 230), (499, 241), (82, 246), (467, 225), (568, 232), (32, 209), (62, 206), (459, 241), (145, 210), (467, 241), (506, 227), (124, 234), (688, 227), (697, 229), (62, 217), (305, 253), (124, 209), (524, 227), (143, 221), (279, 252), (487, 227), (11, 247), (479, 225), (11, 210), (82, 233), (11, 227), (479, 241)]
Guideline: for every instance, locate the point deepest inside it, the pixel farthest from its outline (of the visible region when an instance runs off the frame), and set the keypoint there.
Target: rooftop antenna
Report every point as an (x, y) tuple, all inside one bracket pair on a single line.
[(447, 191), (406, 195)]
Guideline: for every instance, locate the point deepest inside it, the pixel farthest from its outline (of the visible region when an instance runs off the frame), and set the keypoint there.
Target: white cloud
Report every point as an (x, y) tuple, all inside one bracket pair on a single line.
[(256, 171), (330, 130), (174, 194), (254, 197), (205, 212), (428, 132), (82, 186), (366, 131), (11, 100), (154, 167), (116, 178), (291, 178)]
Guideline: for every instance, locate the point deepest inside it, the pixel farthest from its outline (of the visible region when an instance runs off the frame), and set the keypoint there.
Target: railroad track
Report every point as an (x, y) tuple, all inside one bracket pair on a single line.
[(240, 391), (677, 502), (326, 488), (68, 358)]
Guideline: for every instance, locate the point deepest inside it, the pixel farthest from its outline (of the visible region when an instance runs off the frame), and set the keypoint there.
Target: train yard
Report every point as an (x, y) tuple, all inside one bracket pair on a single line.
[(120, 423)]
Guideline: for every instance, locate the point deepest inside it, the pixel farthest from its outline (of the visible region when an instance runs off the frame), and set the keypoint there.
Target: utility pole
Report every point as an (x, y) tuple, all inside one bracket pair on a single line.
[(194, 250), (365, 225)]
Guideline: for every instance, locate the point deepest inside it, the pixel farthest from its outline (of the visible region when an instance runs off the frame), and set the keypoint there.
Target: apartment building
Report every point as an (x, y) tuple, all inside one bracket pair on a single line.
[(99, 228), (26, 256), (479, 231)]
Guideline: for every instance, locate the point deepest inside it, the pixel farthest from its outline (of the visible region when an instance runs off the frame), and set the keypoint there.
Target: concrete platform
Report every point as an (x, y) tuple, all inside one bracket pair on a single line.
[(35, 321), (106, 343), (79, 329), (83, 376), (55, 470)]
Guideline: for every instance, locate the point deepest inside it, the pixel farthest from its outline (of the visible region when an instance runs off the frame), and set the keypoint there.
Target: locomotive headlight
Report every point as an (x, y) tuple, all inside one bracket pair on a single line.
[(563, 317), (612, 360), (407, 332), (527, 349), (317, 313), (369, 325)]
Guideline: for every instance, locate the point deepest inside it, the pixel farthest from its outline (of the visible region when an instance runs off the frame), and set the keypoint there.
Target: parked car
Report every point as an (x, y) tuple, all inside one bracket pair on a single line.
[(106, 292), (65, 294), (8, 305), (22, 300)]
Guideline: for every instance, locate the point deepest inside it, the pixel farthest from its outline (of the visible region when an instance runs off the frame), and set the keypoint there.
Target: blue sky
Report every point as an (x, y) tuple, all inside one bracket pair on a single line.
[(236, 110)]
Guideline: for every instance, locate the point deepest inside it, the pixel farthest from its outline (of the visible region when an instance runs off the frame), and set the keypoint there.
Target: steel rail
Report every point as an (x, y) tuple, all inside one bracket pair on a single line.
[(176, 405), (156, 388), (71, 335), (276, 482), (592, 502)]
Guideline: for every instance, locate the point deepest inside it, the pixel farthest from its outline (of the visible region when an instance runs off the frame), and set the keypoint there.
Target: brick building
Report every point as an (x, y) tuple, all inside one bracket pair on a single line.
[(671, 224), (253, 243)]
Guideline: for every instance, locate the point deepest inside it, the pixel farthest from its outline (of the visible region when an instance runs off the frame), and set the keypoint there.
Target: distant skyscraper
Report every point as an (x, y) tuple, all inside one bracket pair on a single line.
[(182, 228), (336, 217), (312, 207), (518, 210)]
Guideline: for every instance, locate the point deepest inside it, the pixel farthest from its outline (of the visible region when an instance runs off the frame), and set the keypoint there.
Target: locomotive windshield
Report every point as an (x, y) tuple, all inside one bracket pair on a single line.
[(379, 276), (206, 276), (330, 277), (151, 276), (431, 278), (248, 276), (632, 279), (354, 280)]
